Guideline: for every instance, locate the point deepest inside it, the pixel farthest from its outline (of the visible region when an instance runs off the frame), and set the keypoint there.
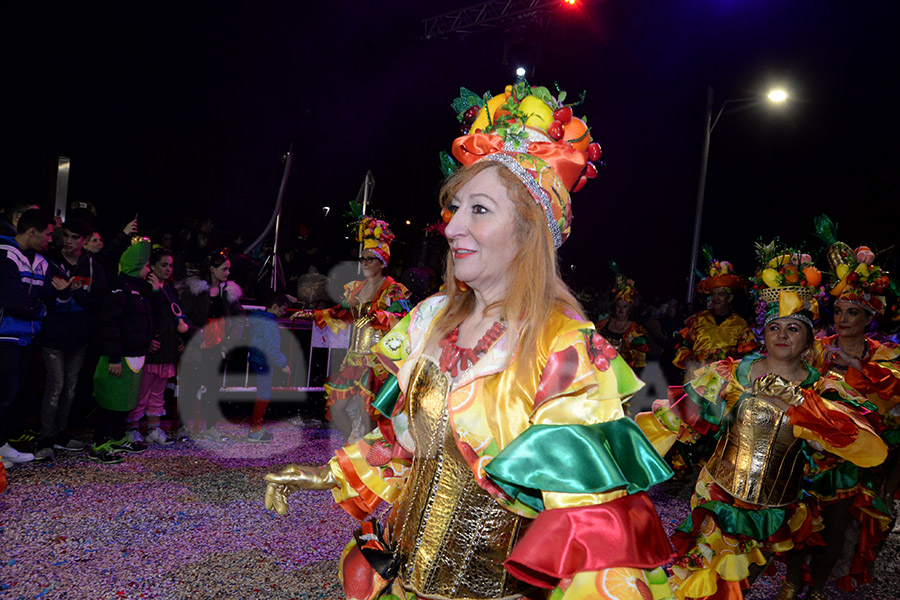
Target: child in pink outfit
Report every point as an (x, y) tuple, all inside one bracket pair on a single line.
[(160, 364)]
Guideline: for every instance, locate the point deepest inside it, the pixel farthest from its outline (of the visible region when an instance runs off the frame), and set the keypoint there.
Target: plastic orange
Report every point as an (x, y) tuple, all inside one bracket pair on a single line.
[(791, 274), (813, 276), (623, 583), (575, 129)]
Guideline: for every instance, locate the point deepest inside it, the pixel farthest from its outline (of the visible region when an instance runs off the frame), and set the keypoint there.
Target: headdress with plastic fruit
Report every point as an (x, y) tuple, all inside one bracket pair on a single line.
[(623, 287), (532, 133), (376, 236), (785, 284), (856, 278), (719, 273)]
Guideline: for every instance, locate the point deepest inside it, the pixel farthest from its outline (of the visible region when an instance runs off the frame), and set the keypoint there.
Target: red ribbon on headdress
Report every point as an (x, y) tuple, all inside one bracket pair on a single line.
[(567, 162)]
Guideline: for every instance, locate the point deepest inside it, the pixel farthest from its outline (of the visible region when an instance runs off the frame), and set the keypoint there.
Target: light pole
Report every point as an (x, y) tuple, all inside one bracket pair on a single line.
[(775, 96)]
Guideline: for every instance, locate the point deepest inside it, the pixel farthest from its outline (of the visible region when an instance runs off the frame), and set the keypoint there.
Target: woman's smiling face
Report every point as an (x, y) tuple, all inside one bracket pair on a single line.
[(482, 233)]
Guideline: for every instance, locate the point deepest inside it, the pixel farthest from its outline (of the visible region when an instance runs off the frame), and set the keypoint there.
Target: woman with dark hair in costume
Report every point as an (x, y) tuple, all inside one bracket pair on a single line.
[(768, 412), (371, 306), (853, 501), (512, 469)]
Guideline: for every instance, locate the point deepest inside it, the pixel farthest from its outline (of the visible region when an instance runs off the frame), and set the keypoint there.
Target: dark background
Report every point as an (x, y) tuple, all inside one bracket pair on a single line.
[(179, 110)]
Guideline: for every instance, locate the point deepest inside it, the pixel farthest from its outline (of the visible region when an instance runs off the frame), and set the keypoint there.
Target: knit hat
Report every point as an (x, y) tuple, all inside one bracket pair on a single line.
[(533, 134), (376, 236), (785, 284), (135, 257)]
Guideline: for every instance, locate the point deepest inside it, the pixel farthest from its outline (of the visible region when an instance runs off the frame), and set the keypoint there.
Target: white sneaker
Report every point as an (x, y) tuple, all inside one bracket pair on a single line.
[(13, 455), (44, 454), (158, 436), (134, 436)]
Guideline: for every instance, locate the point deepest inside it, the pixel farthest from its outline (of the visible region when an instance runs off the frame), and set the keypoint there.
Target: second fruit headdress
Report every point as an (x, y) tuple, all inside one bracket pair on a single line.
[(532, 133), (719, 273), (376, 236)]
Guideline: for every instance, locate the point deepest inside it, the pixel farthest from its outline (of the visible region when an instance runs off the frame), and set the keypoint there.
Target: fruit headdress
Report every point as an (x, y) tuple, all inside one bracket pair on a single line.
[(719, 273), (785, 284), (856, 278), (623, 287), (376, 236), (532, 133)]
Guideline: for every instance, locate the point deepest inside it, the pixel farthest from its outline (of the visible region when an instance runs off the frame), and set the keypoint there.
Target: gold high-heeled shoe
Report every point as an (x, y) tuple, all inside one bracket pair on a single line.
[(816, 595), (788, 591)]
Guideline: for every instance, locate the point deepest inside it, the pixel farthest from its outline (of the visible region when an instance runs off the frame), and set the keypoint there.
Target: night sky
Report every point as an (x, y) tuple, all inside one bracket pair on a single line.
[(185, 109)]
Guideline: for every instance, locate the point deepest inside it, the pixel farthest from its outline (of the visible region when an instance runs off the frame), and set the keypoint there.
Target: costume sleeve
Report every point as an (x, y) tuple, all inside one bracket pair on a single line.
[(697, 412), (745, 343), (684, 343), (371, 470), (391, 307), (596, 519), (638, 346), (339, 317), (838, 428), (879, 379)]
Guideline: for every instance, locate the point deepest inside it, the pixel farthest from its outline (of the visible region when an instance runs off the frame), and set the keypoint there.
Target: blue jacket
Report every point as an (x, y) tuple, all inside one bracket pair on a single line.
[(22, 276), (265, 340)]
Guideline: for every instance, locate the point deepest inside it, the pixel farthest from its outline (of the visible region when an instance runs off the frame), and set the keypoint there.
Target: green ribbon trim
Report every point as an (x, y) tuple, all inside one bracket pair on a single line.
[(757, 524), (712, 412), (834, 396), (386, 398), (577, 459)]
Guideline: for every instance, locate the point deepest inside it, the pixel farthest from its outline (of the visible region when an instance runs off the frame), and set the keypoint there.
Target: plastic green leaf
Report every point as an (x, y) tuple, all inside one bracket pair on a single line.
[(614, 267), (825, 228), (467, 99), (707, 252), (448, 164), (562, 96)]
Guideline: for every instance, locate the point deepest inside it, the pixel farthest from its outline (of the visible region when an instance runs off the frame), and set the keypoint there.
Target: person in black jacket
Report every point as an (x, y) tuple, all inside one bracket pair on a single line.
[(164, 350), (212, 305), (77, 286), (126, 330)]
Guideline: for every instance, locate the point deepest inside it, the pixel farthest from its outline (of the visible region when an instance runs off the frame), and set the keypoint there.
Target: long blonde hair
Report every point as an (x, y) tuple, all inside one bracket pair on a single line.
[(535, 289)]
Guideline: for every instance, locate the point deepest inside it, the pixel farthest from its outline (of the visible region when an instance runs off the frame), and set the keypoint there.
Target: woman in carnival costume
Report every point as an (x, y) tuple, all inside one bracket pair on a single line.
[(768, 415), (372, 306), (867, 373), (512, 470), (626, 336), (718, 332)]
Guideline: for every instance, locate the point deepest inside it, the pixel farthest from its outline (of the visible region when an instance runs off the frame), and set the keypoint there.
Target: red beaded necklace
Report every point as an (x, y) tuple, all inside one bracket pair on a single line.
[(455, 359)]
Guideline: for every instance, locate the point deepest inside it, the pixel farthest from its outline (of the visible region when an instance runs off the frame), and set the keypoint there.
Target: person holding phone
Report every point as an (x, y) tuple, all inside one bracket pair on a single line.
[(77, 286)]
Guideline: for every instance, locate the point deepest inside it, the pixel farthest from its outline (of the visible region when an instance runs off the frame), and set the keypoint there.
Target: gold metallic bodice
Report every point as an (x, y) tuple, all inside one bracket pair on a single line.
[(758, 459), (363, 336), (452, 537)]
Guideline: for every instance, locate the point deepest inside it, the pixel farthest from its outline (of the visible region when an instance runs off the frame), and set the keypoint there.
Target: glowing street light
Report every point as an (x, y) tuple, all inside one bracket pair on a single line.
[(776, 96), (520, 72)]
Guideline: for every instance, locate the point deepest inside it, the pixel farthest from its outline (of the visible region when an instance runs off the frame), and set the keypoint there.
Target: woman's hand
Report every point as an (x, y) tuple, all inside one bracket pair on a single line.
[(293, 478), (115, 370), (843, 359), (303, 313)]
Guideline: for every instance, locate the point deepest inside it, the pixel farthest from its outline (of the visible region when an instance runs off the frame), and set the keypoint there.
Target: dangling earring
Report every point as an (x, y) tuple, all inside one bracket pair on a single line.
[(462, 286)]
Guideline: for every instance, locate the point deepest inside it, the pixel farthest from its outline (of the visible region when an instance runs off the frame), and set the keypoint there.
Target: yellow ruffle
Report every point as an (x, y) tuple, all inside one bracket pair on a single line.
[(659, 436)]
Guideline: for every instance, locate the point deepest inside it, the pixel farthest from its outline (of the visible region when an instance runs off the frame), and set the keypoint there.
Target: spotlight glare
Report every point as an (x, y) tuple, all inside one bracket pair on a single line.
[(778, 95), (520, 72)]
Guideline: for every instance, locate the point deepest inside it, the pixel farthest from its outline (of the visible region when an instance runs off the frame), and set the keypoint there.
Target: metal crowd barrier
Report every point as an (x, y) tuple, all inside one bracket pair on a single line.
[(310, 352)]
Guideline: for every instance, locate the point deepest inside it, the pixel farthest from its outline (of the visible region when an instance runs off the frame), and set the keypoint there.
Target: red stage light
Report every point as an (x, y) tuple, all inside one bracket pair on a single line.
[(570, 2)]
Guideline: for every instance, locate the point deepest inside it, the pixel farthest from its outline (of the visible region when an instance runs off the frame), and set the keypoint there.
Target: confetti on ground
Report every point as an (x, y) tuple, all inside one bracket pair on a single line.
[(188, 522)]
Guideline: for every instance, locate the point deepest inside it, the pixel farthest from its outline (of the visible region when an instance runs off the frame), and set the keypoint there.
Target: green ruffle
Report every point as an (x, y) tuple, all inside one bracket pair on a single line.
[(712, 412), (387, 396), (577, 459), (845, 476), (757, 524)]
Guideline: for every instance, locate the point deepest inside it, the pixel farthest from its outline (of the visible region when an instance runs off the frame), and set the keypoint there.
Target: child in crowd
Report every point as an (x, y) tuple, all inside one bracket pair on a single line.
[(126, 331), (265, 353), (164, 349)]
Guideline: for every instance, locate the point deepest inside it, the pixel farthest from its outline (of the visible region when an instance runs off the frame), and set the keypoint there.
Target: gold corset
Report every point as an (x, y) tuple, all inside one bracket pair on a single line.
[(451, 536), (758, 459), (363, 336)]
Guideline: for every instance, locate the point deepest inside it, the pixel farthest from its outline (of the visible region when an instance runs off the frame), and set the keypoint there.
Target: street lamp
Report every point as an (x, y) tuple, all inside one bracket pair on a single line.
[(776, 96)]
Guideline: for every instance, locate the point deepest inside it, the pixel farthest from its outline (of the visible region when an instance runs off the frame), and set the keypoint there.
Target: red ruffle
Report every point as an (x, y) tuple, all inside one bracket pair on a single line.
[(623, 533)]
